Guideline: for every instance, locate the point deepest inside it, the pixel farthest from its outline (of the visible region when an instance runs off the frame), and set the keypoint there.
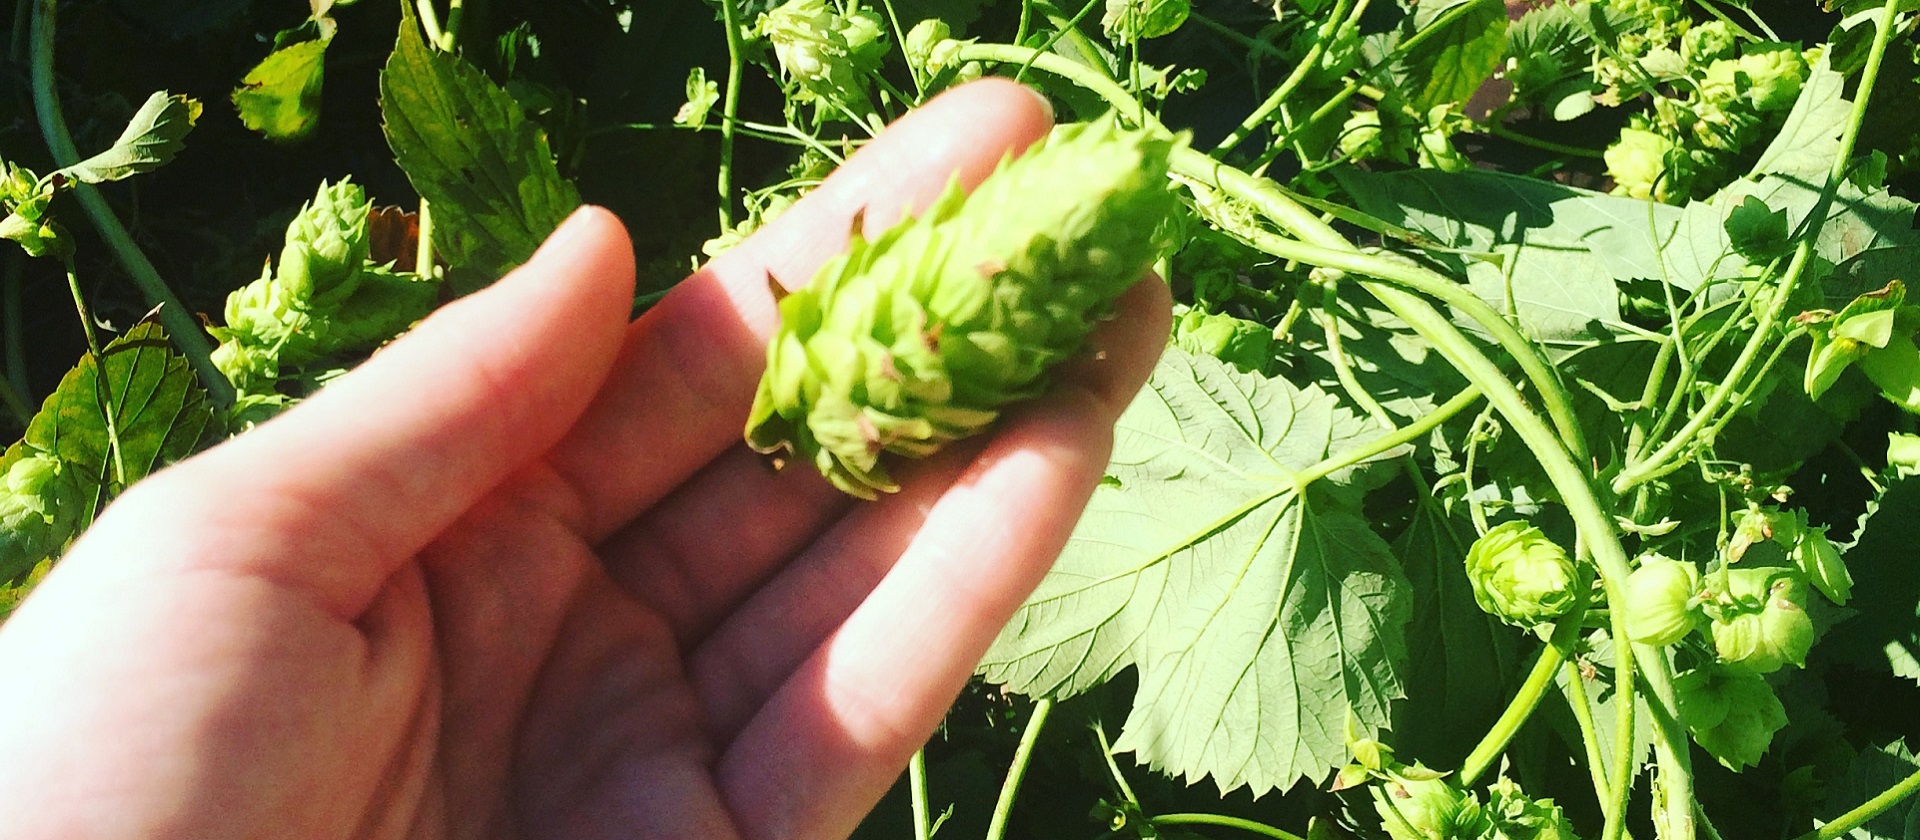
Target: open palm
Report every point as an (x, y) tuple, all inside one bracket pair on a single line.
[(515, 577)]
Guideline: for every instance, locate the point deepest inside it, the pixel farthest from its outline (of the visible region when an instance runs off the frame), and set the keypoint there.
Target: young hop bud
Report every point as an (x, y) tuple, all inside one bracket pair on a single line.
[(1758, 525), (40, 501), (1428, 809), (1820, 561), (1766, 625), (1515, 816), (920, 336), (1521, 576), (1732, 715), (326, 244), (1660, 608)]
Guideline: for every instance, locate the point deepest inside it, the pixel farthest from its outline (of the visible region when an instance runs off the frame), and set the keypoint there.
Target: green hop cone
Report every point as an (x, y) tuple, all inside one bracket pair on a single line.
[(40, 502), (1660, 608), (1244, 344), (1516, 816), (326, 244), (1428, 809), (1763, 622), (1732, 715), (920, 336), (1521, 576), (826, 50)]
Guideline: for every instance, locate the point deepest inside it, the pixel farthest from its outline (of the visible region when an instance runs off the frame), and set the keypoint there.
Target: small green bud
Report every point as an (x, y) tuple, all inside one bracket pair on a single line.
[(1243, 344), (1660, 595), (826, 51), (920, 336), (1639, 162), (1521, 576), (1428, 809), (1732, 715), (1819, 560), (1710, 41), (1515, 816), (930, 47), (1764, 624), (1758, 525)]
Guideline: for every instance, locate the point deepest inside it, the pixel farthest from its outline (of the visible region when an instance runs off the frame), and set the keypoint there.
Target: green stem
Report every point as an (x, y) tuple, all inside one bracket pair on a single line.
[(13, 312), (1501, 131), (730, 111), (1022, 756), (1576, 697), (178, 321), (1565, 632), (1224, 821), (429, 20), (102, 386), (1293, 81), (1668, 457), (1869, 809), (917, 781), (1113, 768), (449, 38)]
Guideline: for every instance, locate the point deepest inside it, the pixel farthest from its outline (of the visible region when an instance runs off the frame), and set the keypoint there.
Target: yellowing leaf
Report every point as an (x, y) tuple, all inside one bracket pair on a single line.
[(280, 97)]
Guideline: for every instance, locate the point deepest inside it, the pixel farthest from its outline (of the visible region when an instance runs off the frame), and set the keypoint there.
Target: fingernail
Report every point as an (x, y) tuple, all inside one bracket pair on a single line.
[(1046, 103)]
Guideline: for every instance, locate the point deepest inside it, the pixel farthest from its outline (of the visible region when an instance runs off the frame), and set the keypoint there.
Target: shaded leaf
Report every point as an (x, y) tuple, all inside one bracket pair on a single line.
[(486, 170), (1885, 636), (1457, 58), (161, 410), (153, 137), (1872, 772), (280, 97), (1260, 617)]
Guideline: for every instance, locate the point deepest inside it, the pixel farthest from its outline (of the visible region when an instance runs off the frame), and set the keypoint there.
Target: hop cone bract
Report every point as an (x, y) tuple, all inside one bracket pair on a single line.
[(921, 335)]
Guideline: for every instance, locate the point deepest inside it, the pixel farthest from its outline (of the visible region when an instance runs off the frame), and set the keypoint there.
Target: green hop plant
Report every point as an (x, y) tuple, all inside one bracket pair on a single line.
[(1767, 77), (1639, 163), (1244, 344), (920, 336), (931, 48), (1732, 715), (1661, 601), (1421, 806), (40, 503), (827, 51), (1360, 138), (1757, 525), (1521, 576), (24, 200), (326, 297), (1710, 41), (1763, 622), (1515, 816)]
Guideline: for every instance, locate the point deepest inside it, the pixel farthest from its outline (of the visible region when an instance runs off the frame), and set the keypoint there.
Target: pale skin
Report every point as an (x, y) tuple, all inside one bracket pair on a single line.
[(516, 576)]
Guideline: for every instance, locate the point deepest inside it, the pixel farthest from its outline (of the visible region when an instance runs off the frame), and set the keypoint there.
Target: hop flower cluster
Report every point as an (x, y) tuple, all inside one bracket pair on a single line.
[(40, 503), (1521, 576), (327, 298), (828, 51), (920, 336)]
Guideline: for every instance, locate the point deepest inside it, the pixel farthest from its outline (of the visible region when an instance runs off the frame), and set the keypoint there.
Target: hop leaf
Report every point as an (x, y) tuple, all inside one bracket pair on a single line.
[(1660, 609), (1521, 576), (1732, 715), (1817, 558), (920, 336)]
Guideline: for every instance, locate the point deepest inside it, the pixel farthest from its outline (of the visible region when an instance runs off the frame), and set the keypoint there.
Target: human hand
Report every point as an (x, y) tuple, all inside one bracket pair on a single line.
[(517, 577)]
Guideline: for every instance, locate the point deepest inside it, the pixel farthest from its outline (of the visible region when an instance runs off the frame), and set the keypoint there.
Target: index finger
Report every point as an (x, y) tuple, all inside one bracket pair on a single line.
[(679, 393)]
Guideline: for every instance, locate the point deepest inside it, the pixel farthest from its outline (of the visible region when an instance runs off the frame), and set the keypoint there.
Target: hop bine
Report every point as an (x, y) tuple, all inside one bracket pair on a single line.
[(920, 336)]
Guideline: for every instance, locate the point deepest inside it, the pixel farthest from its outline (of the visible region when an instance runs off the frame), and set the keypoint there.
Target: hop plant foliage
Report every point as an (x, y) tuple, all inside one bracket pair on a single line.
[(920, 336), (40, 504)]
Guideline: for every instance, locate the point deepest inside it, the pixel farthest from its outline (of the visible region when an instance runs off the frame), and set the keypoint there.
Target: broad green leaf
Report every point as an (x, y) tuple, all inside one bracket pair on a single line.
[(1872, 772), (280, 97), (153, 137), (486, 169), (162, 412), (1886, 574), (1260, 616), (1807, 142), (1128, 21), (1563, 292), (1460, 660), (1455, 59)]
